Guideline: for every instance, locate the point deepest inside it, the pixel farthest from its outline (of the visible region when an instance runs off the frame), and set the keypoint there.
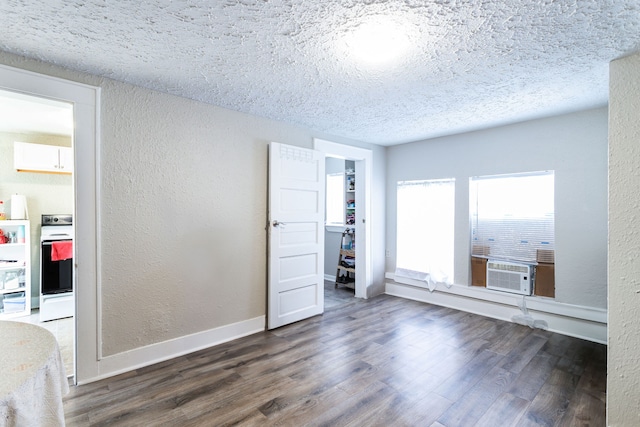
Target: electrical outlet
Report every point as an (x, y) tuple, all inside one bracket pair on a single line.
[(388, 253)]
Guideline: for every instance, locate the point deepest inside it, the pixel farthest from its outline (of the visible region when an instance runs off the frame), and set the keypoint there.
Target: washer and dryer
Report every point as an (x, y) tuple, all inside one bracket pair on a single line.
[(56, 267)]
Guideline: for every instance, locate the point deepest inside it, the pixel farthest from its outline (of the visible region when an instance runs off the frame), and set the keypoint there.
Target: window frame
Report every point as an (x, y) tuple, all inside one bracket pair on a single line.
[(331, 202), (437, 267), (518, 235)]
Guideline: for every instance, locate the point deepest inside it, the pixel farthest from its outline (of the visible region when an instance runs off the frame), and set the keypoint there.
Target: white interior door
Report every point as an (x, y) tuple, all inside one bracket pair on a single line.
[(296, 234)]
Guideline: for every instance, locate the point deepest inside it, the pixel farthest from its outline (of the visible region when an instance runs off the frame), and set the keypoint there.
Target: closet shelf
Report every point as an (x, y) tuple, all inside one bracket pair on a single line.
[(346, 271)]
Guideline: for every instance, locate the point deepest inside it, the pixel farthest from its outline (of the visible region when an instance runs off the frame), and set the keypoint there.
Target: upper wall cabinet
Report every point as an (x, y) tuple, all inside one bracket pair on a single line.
[(42, 158)]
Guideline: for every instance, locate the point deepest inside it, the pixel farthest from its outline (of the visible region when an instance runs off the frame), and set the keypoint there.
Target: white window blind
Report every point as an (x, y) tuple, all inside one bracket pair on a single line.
[(425, 231), (335, 213), (512, 216)]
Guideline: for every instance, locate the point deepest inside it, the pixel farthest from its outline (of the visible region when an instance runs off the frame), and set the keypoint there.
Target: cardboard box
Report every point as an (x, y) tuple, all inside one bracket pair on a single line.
[(478, 271), (480, 250), (545, 256), (545, 284)]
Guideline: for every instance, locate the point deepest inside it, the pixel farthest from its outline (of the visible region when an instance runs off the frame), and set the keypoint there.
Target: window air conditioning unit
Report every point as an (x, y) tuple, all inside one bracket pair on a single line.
[(509, 277)]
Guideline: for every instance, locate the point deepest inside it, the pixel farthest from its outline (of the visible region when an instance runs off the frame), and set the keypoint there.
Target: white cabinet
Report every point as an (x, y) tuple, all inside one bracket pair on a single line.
[(65, 156), (42, 158), (15, 269)]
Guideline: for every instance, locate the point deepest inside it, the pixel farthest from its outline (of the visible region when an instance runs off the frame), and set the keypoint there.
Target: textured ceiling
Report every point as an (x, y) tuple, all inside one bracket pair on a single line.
[(468, 65)]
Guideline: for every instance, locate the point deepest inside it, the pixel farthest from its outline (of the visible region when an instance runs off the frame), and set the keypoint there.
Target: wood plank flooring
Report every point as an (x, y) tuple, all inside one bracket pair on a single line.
[(381, 362)]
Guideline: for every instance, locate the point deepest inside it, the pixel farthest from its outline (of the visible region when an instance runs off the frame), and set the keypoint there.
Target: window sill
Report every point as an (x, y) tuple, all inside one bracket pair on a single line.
[(538, 303)]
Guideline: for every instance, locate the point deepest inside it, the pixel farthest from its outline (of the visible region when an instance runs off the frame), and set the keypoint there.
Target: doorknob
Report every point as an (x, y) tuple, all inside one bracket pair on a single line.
[(277, 224)]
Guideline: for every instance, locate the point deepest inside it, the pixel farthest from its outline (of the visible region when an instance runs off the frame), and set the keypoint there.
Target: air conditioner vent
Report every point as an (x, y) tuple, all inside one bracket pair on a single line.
[(509, 277), (518, 268)]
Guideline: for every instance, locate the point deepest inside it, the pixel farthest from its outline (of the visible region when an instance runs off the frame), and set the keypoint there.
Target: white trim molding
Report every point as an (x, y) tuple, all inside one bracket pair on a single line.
[(144, 356), (588, 323)]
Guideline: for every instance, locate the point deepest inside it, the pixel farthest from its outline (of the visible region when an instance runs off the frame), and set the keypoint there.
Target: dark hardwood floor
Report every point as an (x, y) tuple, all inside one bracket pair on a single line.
[(381, 362), (336, 296)]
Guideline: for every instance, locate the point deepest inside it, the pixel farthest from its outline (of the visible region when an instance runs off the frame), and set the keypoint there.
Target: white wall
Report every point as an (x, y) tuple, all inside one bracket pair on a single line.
[(574, 145), (623, 371), (183, 209), (46, 193)]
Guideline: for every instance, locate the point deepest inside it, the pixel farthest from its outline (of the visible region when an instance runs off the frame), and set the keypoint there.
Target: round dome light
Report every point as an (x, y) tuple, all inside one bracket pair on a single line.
[(377, 41)]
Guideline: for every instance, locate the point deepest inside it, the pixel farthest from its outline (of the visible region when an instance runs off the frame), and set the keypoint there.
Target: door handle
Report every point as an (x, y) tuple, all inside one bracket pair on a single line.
[(278, 224)]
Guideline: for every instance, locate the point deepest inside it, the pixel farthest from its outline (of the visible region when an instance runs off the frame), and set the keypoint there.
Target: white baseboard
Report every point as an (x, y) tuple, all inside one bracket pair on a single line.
[(330, 277), (145, 356), (581, 322)]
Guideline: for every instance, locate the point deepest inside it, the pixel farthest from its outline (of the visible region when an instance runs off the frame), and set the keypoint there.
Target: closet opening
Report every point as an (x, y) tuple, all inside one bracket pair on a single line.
[(347, 269)]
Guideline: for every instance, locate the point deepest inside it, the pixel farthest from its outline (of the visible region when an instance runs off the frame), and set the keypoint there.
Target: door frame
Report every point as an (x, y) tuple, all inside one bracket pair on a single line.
[(86, 115), (364, 270)]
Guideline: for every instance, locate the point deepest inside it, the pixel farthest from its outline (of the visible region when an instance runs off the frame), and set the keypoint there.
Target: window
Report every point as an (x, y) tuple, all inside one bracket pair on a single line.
[(425, 234), (512, 216), (335, 199)]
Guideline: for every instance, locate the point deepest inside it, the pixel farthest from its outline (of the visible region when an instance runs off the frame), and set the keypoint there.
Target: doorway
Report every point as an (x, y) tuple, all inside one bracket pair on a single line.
[(361, 159), (36, 129), (85, 101), (339, 231)]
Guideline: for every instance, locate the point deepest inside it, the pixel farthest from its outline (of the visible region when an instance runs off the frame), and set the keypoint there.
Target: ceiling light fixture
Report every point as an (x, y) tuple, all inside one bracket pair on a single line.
[(377, 41)]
